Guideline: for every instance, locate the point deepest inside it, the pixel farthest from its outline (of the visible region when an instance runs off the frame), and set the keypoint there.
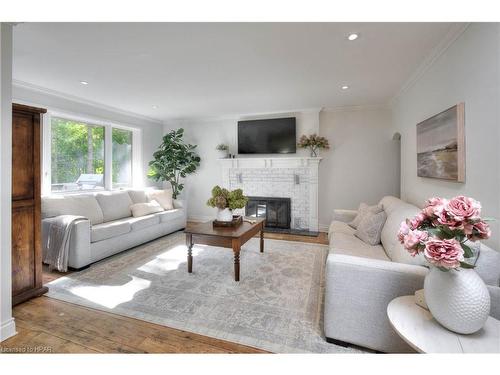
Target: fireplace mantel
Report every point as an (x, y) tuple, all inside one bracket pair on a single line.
[(286, 177), (270, 162)]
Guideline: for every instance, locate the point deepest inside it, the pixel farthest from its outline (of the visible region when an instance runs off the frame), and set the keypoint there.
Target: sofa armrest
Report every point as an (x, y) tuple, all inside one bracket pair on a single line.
[(488, 265), (178, 203), (79, 248), (345, 216), (357, 293), (495, 301)]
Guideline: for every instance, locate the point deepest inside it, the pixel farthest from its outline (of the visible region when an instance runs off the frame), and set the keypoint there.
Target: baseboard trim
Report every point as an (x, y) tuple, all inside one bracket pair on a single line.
[(324, 228), (7, 329)]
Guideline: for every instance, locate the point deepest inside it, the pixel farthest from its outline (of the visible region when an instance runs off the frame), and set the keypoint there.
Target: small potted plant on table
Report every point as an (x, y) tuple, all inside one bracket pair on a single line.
[(226, 201)]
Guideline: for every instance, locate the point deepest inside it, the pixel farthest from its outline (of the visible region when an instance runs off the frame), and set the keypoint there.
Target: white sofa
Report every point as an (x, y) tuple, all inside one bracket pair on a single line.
[(361, 280), (109, 227)]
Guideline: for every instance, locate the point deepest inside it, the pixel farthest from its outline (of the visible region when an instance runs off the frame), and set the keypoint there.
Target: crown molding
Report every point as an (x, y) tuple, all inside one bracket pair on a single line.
[(318, 110), (77, 99), (202, 119), (355, 108), (453, 34)]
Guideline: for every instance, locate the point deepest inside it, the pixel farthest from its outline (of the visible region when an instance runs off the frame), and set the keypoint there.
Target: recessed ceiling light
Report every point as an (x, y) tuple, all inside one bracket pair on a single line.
[(353, 36), (84, 82), (154, 106), (345, 87)]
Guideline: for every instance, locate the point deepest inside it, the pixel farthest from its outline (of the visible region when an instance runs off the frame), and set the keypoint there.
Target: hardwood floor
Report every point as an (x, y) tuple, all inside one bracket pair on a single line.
[(52, 326), (46, 325)]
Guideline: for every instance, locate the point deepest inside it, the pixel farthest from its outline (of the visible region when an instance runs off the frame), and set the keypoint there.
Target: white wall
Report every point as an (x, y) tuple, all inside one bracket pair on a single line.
[(7, 326), (468, 71), (362, 164), (151, 130), (360, 139)]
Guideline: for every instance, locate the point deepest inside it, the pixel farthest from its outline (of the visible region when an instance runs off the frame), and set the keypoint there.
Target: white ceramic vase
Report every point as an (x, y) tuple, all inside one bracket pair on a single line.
[(222, 154), (224, 215), (458, 299)]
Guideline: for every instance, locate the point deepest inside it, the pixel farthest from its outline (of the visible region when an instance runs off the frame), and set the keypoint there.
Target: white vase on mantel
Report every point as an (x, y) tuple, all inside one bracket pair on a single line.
[(458, 299), (223, 154), (224, 214)]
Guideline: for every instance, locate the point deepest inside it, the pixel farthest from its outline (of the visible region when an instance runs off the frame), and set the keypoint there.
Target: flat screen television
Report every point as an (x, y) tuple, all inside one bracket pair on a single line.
[(273, 136)]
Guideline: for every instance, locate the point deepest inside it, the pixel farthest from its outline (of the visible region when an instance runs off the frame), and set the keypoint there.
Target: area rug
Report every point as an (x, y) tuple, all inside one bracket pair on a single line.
[(276, 306)]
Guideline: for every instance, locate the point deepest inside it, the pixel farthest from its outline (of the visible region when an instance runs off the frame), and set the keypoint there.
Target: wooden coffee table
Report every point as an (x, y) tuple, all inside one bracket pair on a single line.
[(232, 238)]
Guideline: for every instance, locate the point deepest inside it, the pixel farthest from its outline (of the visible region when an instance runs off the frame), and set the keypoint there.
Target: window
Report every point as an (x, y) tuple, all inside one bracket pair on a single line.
[(122, 158), (77, 155), (82, 155)]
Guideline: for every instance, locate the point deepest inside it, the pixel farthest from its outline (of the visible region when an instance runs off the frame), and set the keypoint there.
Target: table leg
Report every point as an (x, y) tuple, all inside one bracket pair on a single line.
[(189, 244), (236, 251), (262, 239)]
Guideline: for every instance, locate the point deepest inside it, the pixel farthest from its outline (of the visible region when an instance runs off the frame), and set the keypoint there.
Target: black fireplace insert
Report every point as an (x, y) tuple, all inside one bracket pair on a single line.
[(276, 211)]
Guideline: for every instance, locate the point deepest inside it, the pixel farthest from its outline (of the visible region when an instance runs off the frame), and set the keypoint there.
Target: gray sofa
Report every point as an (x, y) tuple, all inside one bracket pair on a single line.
[(361, 280), (109, 227)]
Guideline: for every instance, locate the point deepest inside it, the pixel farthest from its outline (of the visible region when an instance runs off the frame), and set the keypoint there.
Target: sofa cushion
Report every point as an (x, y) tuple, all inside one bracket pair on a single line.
[(143, 209), (392, 247), (163, 197), (390, 203), (138, 223), (109, 230), (362, 211), (166, 216), (78, 205), (370, 227), (115, 205), (339, 227), (348, 244), (137, 196)]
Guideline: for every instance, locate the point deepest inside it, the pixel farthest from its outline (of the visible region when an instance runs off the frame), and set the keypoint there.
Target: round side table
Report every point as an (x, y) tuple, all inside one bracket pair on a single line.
[(422, 332)]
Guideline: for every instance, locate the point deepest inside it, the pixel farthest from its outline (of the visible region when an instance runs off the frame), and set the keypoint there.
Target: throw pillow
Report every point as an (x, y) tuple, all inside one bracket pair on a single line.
[(163, 197), (370, 227), (362, 211), (143, 209)]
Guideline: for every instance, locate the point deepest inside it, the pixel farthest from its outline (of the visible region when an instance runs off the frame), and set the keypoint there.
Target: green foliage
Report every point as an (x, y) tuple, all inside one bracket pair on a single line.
[(223, 198), (222, 147), (468, 253), (313, 141), (78, 148), (122, 157), (174, 160)]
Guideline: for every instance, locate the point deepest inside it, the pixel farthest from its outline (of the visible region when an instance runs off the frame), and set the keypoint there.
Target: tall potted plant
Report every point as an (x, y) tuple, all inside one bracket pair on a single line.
[(175, 159), (443, 232)]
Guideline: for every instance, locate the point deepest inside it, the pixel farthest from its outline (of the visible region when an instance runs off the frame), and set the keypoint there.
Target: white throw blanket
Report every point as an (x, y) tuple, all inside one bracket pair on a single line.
[(56, 249)]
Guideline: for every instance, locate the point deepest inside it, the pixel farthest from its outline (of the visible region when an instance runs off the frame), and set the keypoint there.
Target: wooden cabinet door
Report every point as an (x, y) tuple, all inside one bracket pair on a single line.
[(26, 200), (23, 155), (23, 245)]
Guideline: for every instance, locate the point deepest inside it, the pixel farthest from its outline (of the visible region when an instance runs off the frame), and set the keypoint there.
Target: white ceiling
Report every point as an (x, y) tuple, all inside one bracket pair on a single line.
[(202, 69)]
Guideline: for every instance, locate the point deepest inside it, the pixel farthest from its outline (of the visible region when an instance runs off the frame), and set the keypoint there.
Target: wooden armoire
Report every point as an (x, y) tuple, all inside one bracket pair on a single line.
[(26, 203)]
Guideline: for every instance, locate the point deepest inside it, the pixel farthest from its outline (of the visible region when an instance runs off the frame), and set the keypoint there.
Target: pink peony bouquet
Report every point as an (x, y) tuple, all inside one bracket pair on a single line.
[(441, 229)]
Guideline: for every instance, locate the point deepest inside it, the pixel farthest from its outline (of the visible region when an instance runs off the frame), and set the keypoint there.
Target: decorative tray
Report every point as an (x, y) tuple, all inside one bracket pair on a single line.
[(237, 220)]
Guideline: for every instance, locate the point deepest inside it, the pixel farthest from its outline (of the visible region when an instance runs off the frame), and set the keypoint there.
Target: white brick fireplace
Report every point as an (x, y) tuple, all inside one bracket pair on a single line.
[(282, 177)]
